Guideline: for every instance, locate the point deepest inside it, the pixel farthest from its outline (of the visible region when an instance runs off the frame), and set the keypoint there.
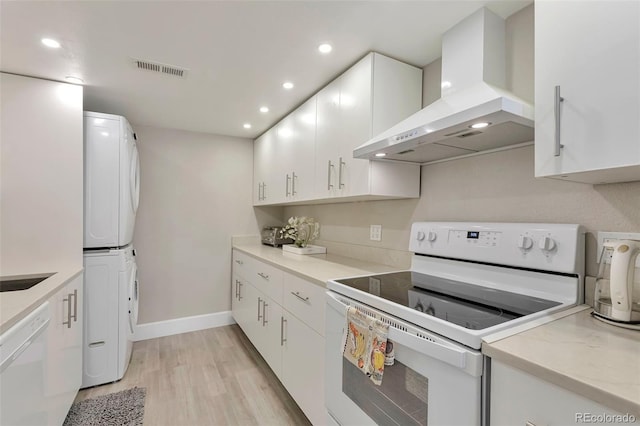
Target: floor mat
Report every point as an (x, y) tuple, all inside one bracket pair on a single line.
[(121, 408)]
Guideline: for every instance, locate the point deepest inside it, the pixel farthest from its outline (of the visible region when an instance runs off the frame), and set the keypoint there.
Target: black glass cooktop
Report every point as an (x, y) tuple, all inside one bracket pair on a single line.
[(467, 305)]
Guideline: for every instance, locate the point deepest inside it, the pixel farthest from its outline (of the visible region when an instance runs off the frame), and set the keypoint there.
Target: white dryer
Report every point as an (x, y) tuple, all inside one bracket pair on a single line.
[(111, 180), (110, 314)]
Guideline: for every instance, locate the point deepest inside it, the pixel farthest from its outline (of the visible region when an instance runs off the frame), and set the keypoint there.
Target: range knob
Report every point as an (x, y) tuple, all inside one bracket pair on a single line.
[(524, 242), (546, 244), (432, 236), (420, 236)]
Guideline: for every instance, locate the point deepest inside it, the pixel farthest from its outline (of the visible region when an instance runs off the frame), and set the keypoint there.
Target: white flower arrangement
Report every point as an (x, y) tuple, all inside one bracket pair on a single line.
[(302, 230)]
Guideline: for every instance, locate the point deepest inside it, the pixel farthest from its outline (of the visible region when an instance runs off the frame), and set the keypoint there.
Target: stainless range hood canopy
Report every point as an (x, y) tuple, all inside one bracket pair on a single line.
[(473, 74)]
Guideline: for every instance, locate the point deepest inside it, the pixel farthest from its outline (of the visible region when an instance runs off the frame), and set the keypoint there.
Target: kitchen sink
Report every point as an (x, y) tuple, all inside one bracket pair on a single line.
[(15, 284)]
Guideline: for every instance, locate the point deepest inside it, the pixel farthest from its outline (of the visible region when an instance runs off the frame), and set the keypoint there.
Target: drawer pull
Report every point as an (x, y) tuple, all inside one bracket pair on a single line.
[(239, 262), (297, 294), (264, 313), (282, 338), (265, 276)]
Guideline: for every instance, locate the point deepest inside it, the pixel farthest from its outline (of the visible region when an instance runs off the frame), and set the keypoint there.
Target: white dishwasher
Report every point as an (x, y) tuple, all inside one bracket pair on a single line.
[(23, 350)]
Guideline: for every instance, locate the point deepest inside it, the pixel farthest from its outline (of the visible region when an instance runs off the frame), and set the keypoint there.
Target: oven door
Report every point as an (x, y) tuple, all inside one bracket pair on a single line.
[(432, 382)]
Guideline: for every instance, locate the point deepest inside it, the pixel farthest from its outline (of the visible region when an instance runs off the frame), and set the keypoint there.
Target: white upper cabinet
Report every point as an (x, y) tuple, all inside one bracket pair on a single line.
[(296, 141), (370, 97), (265, 159), (308, 156), (587, 91)]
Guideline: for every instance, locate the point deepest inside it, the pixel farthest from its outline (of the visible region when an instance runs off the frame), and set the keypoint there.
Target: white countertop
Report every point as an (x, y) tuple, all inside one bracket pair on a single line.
[(581, 354), (15, 305), (317, 268)]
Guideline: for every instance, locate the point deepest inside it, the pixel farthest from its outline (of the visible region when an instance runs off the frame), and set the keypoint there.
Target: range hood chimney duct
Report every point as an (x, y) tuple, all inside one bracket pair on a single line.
[(473, 82)]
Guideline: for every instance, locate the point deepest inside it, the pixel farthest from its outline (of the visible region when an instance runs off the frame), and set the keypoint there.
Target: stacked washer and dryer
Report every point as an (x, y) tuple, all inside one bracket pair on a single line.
[(111, 194)]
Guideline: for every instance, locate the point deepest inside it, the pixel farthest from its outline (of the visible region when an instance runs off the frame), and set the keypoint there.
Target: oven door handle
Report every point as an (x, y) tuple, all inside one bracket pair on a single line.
[(450, 353)]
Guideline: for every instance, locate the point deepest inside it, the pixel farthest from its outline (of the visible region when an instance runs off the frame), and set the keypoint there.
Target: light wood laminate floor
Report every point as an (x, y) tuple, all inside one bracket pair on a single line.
[(208, 377)]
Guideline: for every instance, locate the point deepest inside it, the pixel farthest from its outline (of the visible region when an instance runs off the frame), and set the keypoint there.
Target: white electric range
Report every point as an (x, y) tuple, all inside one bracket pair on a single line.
[(467, 281)]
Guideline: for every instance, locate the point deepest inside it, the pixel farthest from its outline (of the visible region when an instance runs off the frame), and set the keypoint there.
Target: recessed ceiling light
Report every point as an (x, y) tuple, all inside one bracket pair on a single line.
[(49, 42), (287, 85), (246, 125), (325, 48), (74, 80), (264, 109), (381, 154), (479, 125), (104, 133), (445, 84)]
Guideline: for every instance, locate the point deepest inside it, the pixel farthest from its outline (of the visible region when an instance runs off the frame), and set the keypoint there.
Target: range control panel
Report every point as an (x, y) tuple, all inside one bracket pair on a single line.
[(544, 246)]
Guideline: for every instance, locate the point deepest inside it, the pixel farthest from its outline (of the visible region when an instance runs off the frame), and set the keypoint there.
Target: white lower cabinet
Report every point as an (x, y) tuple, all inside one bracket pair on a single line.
[(518, 398), (63, 374), (303, 367), (283, 316)]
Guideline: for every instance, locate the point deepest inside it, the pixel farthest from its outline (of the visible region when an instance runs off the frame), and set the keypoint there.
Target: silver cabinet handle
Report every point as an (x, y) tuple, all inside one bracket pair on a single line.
[(264, 191), (329, 186), (264, 312), (556, 112), (293, 183), (259, 191), (265, 276), (75, 305), (259, 301), (239, 290), (68, 300), (342, 164), (297, 294), (282, 339), (239, 262), (287, 185)]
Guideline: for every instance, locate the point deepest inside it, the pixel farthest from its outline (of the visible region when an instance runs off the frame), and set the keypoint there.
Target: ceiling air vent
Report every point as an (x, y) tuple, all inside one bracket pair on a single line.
[(160, 68)]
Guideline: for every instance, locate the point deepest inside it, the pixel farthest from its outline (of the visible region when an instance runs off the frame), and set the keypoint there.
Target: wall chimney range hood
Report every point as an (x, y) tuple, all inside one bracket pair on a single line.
[(474, 113)]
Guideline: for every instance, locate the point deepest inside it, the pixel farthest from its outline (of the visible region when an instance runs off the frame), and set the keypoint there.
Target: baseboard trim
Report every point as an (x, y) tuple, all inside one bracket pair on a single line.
[(153, 330)]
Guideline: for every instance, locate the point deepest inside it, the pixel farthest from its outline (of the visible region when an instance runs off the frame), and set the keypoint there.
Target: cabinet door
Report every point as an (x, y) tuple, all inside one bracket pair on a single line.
[(303, 367), (297, 144), (591, 50), (271, 335), (328, 136), (518, 398), (64, 350), (355, 126), (246, 314), (264, 163)]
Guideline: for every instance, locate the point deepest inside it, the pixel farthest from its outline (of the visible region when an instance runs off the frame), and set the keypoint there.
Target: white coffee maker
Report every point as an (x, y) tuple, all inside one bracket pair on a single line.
[(617, 296)]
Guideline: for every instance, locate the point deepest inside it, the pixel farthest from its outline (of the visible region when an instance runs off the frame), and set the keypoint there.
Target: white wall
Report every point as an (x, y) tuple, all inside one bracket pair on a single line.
[(195, 194), (492, 187), (41, 192)]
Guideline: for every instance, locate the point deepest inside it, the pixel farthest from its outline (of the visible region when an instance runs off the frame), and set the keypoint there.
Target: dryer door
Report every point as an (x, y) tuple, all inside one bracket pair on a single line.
[(129, 186), (133, 299)]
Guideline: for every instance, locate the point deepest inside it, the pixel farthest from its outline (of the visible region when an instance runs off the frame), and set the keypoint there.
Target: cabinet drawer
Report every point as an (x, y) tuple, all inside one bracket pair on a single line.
[(305, 300), (267, 279), (241, 264)]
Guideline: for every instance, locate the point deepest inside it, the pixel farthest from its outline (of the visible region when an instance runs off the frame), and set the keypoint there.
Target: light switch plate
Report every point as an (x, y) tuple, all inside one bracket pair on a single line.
[(612, 236), (375, 233)]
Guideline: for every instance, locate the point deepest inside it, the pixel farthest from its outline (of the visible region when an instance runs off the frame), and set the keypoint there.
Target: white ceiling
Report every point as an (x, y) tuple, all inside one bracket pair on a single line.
[(238, 52)]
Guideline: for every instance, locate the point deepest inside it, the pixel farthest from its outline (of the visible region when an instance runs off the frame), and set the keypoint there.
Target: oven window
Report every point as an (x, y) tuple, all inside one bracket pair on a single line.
[(400, 400)]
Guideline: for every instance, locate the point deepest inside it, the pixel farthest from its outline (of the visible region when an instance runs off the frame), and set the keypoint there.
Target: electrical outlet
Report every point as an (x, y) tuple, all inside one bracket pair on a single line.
[(612, 236), (375, 233)]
